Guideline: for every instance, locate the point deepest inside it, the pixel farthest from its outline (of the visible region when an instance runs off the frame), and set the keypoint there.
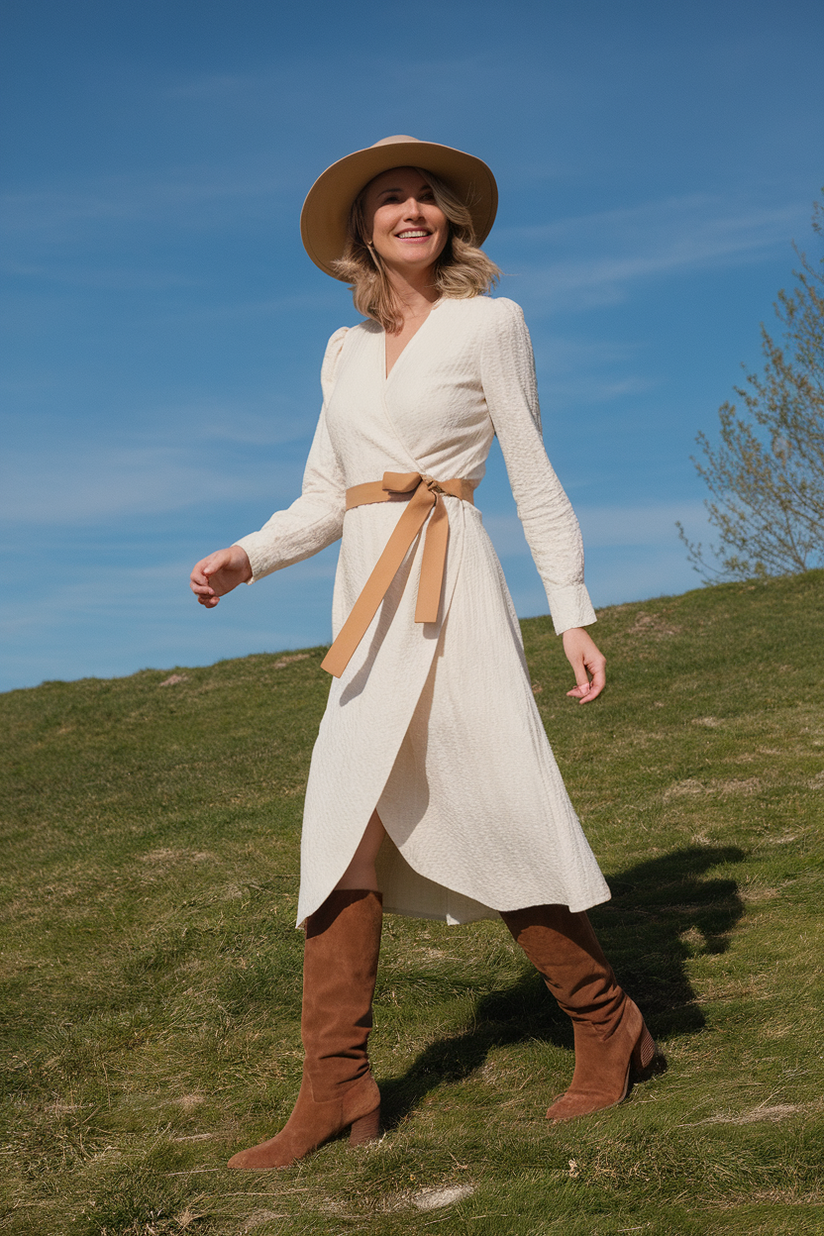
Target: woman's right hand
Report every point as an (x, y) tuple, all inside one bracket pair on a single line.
[(218, 574)]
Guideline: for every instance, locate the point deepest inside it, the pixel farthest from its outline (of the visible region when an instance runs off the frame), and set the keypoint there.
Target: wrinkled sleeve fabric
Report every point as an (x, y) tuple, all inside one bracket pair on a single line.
[(315, 519), (549, 522)]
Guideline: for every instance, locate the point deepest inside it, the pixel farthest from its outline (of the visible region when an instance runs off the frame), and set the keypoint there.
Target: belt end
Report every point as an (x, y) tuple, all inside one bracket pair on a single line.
[(331, 664)]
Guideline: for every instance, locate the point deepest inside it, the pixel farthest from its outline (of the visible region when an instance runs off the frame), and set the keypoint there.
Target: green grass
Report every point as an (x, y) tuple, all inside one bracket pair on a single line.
[(151, 971)]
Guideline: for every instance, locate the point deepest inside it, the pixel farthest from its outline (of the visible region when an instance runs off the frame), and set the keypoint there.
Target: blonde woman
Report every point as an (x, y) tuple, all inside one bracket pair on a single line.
[(433, 791)]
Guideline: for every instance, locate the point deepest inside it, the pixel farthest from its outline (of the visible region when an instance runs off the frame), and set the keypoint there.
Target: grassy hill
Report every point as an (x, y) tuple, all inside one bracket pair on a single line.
[(151, 971)]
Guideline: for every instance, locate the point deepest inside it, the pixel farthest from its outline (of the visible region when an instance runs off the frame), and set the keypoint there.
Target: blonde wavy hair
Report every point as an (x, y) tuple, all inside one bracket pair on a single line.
[(461, 271)]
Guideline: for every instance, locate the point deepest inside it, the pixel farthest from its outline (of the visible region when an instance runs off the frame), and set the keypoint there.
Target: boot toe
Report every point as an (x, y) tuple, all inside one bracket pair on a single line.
[(263, 1157)]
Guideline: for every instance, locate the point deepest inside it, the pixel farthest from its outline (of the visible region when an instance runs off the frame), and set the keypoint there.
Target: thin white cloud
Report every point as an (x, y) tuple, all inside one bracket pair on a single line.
[(637, 222), (653, 240), (273, 426), (585, 371), (101, 277), (589, 388), (604, 526), (82, 486), (231, 311), (614, 578), (192, 196), (98, 591), (651, 525)]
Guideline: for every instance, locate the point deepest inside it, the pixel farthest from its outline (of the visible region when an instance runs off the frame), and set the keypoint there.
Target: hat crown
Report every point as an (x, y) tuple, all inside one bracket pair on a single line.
[(391, 141)]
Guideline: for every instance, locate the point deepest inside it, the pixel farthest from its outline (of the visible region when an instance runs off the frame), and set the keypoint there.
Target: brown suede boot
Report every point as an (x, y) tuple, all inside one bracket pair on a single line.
[(613, 1047), (338, 1091)]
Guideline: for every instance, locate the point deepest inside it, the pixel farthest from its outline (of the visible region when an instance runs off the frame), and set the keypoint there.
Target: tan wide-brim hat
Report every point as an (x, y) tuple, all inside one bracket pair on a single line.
[(324, 220)]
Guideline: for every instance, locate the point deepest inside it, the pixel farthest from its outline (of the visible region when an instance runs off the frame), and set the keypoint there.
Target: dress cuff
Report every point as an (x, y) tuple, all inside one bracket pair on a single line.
[(570, 606), (259, 560)]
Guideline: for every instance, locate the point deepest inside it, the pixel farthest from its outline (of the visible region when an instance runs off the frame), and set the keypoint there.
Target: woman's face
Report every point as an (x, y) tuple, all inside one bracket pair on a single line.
[(409, 230)]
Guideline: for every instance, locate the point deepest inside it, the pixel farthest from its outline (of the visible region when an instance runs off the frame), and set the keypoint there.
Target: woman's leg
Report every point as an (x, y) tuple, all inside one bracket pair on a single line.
[(361, 871), (613, 1047)]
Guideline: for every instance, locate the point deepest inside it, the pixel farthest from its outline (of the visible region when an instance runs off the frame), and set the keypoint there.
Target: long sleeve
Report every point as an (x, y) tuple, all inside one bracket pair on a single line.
[(550, 525), (315, 519)]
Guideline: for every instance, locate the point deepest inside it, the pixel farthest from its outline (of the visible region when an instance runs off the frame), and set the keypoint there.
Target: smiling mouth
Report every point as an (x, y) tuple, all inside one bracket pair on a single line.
[(413, 234)]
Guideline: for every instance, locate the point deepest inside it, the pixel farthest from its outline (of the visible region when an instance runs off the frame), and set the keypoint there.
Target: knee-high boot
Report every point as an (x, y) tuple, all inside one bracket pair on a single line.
[(337, 1091), (613, 1047)]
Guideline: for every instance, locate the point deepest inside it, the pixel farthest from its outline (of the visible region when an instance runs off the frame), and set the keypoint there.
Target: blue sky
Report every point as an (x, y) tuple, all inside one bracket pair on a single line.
[(164, 328)]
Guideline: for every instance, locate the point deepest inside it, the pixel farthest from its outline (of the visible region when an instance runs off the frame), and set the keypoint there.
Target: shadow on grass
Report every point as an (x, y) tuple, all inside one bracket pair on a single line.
[(662, 912)]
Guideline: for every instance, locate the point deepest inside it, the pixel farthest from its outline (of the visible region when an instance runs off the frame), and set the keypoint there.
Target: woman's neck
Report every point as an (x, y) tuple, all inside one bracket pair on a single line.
[(415, 297)]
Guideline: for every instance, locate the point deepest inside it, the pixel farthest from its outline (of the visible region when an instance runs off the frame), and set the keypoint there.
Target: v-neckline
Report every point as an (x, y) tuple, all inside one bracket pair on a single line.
[(405, 348)]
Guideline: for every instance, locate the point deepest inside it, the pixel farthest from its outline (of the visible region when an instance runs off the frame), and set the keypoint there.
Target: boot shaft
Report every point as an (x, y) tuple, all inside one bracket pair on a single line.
[(564, 949), (340, 964)]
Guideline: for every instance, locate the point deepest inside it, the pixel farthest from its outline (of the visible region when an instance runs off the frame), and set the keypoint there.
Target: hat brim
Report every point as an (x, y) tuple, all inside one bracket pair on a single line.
[(324, 219)]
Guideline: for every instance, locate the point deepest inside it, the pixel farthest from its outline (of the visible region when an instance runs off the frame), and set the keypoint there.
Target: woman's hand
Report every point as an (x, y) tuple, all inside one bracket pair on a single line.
[(218, 574), (588, 663)]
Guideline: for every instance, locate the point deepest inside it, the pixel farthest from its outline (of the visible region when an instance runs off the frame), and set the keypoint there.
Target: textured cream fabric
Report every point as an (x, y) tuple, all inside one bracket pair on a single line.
[(436, 724)]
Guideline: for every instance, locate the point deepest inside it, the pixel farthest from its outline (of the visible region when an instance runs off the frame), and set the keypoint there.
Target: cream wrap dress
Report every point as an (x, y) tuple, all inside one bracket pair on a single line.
[(435, 724)]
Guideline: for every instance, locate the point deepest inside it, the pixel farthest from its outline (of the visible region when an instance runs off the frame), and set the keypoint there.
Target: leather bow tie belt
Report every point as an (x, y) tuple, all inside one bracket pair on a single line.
[(424, 496)]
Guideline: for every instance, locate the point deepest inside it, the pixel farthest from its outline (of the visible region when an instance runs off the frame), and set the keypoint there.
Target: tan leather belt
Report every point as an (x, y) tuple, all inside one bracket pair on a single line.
[(423, 495)]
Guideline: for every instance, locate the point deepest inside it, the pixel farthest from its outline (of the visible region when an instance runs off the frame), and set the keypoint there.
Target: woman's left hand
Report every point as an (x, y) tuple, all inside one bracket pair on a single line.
[(588, 662)]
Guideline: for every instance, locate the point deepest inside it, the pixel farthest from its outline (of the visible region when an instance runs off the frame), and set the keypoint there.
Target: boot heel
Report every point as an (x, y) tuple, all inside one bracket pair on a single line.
[(366, 1129), (647, 1060)]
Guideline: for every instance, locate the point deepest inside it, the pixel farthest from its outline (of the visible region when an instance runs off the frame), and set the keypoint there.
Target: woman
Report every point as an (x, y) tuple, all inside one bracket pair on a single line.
[(433, 790)]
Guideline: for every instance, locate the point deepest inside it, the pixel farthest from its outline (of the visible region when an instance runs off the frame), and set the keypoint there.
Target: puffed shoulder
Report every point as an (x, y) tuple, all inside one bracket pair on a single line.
[(503, 332), (330, 360), (505, 307), (497, 308), (497, 317), (509, 317)]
